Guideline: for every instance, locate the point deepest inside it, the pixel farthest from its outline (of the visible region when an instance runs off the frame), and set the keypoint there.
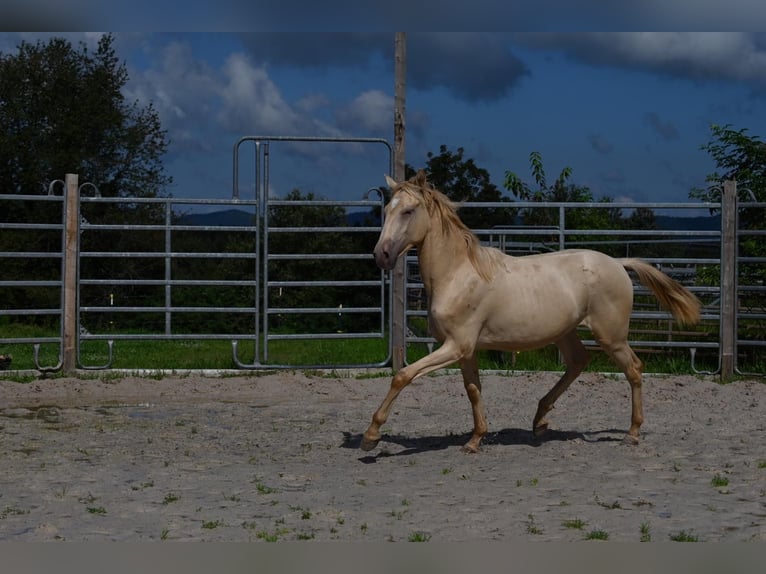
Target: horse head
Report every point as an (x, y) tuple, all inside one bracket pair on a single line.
[(407, 219)]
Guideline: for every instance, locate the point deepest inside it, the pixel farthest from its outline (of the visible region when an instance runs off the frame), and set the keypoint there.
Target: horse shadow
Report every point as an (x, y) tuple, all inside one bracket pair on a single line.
[(505, 437)]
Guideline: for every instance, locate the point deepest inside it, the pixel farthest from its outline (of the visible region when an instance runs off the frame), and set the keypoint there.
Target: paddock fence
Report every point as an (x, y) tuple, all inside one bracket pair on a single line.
[(108, 271)]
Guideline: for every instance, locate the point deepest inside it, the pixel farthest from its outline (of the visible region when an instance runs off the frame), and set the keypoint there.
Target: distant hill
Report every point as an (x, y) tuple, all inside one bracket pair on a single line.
[(239, 218), (704, 223), (227, 217)]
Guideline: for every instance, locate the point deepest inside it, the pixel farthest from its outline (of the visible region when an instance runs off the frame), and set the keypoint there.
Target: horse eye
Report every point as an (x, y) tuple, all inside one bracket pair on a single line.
[(407, 212)]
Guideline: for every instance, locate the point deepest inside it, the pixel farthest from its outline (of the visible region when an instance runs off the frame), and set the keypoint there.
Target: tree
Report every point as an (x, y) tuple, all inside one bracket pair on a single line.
[(739, 157), (63, 111), (462, 180), (560, 191)]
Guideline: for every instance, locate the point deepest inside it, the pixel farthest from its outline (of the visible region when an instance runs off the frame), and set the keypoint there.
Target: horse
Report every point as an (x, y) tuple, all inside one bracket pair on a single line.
[(481, 298)]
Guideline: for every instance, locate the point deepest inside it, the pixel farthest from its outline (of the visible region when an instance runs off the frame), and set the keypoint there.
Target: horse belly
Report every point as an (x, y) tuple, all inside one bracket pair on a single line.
[(533, 317)]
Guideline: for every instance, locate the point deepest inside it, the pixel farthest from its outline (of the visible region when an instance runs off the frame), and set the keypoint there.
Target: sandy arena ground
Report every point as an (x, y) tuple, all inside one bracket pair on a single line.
[(275, 457)]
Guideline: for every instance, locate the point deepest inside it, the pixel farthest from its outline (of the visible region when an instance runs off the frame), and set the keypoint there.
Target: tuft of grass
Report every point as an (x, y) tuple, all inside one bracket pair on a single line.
[(719, 481), (211, 524), (646, 535), (597, 535), (576, 524), (419, 537), (262, 488), (169, 498), (97, 510), (684, 536), (533, 528)]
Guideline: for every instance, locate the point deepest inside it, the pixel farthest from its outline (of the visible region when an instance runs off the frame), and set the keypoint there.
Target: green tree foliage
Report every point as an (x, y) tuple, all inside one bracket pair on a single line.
[(462, 180), (62, 110), (739, 157), (561, 190)]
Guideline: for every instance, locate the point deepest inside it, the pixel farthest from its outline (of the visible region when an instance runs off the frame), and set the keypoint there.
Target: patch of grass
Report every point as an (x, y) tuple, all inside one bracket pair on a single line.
[(211, 524), (646, 535), (305, 536), (762, 464), (169, 498), (533, 528), (419, 537), (719, 481), (12, 511), (190, 353), (96, 510), (597, 535), (684, 536), (262, 488), (576, 524)]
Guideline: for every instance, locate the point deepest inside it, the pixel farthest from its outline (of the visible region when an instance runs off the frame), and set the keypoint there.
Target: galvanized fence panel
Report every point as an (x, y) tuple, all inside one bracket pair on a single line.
[(32, 244), (181, 272), (750, 300)]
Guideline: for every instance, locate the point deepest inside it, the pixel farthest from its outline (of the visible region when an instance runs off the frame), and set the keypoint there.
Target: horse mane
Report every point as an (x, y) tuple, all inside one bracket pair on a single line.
[(438, 205)]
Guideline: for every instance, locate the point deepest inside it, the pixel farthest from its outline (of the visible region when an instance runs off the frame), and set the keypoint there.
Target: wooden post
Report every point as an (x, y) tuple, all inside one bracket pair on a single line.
[(397, 277), (71, 248), (728, 333)]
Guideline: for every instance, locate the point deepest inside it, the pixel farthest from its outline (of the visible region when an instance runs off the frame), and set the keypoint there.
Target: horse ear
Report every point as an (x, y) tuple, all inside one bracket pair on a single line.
[(391, 183), (420, 178)]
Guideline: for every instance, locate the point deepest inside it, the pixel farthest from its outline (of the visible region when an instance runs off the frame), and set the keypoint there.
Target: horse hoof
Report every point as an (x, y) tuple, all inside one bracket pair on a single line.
[(540, 429), (368, 444), (469, 448), (630, 439)]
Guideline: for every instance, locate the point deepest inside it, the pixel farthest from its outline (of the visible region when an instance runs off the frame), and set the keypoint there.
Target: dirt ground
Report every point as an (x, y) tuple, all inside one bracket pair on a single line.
[(275, 457)]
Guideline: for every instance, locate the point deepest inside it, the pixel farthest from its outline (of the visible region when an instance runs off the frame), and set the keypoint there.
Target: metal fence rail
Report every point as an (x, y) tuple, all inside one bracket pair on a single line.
[(260, 281)]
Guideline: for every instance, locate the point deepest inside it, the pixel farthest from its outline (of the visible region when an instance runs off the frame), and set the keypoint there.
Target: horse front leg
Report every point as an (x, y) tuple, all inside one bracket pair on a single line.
[(445, 355), (469, 367)]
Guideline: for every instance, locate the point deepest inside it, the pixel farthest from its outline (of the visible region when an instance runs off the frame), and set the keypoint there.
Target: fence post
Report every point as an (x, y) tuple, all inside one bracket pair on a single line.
[(71, 249), (728, 333)]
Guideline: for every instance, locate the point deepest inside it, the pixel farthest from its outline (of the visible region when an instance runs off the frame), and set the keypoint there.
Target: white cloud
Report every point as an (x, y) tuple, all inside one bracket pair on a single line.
[(183, 91), (371, 111), (738, 56)]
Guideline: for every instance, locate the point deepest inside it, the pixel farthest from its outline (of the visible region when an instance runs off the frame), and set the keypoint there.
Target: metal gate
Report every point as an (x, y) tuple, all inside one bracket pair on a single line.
[(130, 270), (344, 310)]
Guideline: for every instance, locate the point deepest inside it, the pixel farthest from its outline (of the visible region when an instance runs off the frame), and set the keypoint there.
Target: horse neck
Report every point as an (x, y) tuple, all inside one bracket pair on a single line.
[(438, 257)]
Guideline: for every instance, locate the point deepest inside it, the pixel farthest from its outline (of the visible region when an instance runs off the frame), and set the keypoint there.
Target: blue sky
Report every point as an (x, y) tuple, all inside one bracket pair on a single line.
[(627, 112)]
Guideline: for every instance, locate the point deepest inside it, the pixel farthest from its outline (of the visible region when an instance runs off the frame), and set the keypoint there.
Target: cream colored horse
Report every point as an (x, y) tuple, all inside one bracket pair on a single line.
[(480, 298)]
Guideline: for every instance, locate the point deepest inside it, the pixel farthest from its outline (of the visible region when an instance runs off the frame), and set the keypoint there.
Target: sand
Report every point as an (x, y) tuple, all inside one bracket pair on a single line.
[(275, 457)]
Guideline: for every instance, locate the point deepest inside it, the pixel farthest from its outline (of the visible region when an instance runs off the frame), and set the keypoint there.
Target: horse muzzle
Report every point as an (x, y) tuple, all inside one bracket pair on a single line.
[(385, 255)]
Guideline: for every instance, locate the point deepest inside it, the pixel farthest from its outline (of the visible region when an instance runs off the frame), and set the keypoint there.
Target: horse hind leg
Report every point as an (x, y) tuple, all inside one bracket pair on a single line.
[(576, 358), (631, 365)]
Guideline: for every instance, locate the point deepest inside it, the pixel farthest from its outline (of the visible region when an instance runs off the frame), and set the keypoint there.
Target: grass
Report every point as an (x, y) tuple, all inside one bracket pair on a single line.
[(597, 535), (419, 537), (576, 524), (646, 535), (719, 481), (684, 536), (217, 354)]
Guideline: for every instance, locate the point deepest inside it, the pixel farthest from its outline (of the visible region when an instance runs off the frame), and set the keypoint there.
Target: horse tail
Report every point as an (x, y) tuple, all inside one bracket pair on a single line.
[(673, 296)]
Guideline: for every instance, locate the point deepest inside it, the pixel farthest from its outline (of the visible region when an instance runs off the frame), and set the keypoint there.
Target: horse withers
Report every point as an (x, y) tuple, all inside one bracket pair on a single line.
[(481, 298)]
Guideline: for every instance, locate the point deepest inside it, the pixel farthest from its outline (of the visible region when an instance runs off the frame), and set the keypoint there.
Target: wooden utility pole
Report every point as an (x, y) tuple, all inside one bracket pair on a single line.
[(398, 326)]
